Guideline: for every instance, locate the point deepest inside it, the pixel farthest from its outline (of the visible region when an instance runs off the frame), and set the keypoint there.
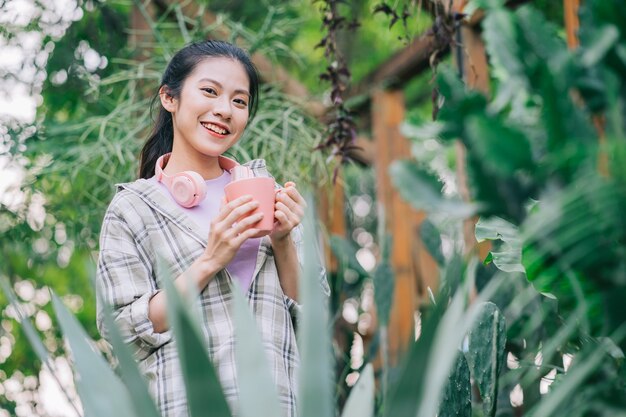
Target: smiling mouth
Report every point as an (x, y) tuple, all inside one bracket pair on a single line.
[(214, 128)]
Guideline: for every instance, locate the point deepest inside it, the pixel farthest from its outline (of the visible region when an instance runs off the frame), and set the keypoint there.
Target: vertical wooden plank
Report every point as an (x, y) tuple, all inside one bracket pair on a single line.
[(389, 144), (572, 23), (332, 214)]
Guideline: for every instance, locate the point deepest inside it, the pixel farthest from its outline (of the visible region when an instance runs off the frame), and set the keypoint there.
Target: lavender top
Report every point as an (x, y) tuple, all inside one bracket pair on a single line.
[(242, 265)]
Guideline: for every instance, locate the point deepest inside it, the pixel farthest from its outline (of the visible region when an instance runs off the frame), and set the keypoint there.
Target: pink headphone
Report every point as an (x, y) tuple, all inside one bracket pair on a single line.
[(188, 187)]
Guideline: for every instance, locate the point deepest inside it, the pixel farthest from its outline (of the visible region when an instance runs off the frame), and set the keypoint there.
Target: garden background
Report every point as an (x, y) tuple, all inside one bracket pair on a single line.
[(467, 164)]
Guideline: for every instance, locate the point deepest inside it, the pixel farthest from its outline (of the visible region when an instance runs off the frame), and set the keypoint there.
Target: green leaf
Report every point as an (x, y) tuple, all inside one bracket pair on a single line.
[(94, 375), (456, 400), (202, 385), (501, 37), (503, 149), (136, 384), (346, 254), (423, 191), (360, 403), (257, 389), (604, 38), (27, 326), (508, 258), (384, 284), (486, 354), (431, 236), (315, 375)]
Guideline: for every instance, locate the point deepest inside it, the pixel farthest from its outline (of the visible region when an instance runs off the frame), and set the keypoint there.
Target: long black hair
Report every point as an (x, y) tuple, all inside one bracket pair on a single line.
[(180, 66)]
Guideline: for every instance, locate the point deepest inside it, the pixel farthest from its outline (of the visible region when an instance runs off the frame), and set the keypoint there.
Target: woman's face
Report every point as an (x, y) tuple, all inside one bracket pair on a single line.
[(212, 110)]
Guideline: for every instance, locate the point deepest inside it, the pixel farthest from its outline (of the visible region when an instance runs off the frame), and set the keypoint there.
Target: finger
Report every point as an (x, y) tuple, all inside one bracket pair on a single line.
[(247, 223), (290, 184), (249, 233), (293, 207), (294, 194), (290, 218), (230, 206), (240, 212)]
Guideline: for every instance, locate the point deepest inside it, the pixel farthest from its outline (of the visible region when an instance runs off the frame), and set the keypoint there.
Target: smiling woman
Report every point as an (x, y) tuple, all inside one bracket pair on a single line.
[(153, 230)]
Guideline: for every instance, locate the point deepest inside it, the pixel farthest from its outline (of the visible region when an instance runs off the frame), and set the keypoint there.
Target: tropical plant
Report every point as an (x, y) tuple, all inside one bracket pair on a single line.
[(548, 188)]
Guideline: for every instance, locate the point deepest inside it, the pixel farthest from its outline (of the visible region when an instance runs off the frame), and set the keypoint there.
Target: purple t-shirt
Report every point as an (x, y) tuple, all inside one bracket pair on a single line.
[(241, 267)]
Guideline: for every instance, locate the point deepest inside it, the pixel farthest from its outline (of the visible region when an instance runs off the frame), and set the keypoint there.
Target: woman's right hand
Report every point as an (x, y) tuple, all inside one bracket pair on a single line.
[(232, 226)]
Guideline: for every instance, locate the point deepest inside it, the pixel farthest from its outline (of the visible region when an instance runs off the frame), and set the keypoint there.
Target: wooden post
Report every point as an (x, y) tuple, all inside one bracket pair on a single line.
[(332, 214), (389, 144), (572, 23)]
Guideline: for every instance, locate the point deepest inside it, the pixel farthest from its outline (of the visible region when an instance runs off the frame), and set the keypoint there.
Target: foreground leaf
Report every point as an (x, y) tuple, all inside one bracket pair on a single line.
[(94, 375), (257, 389)]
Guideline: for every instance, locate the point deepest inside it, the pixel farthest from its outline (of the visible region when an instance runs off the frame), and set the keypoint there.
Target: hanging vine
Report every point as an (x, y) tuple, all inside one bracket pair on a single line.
[(340, 135), (341, 131)]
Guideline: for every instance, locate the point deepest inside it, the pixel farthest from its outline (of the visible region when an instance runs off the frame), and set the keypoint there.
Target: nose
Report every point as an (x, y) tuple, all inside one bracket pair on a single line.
[(222, 107)]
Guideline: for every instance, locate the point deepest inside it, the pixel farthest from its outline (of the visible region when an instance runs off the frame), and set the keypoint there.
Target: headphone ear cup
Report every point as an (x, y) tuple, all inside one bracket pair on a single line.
[(188, 188)]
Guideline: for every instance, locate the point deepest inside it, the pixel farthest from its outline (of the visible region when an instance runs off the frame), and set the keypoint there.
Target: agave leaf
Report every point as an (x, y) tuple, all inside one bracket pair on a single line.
[(258, 395), (136, 384), (486, 354), (360, 403), (96, 382), (27, 326), (456, 400), (205, 396), (315, 375)]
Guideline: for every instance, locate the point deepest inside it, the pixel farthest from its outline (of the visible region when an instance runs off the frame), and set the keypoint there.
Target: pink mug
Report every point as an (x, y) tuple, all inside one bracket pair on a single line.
[(262, 190)]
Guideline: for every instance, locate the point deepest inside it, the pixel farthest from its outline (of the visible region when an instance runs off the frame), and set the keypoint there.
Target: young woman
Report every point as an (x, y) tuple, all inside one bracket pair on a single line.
[(208, 93)]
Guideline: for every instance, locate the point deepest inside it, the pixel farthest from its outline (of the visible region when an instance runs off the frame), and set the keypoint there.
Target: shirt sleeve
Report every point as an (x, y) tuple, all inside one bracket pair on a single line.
[(124, 281)]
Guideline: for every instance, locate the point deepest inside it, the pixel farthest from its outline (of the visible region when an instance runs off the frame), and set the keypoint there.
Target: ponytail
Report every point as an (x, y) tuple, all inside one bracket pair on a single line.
[(159, 142)]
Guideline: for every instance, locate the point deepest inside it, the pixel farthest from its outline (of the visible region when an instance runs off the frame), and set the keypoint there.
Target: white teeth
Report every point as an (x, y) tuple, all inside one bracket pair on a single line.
[(214, 128)]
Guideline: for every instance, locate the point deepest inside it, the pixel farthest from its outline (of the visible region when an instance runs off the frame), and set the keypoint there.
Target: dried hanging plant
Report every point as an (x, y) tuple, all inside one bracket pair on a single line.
[(341, 131)]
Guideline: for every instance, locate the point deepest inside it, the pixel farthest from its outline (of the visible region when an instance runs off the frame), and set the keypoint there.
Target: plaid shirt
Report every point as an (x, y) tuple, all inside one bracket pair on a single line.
[(141, 222)]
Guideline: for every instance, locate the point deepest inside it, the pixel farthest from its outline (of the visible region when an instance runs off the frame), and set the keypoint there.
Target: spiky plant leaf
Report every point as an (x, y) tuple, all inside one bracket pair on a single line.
[(456, 400), (257, 389), (137, 386), (94, 375), (205, 396), (361, 400), (486, 356), (315, 374)]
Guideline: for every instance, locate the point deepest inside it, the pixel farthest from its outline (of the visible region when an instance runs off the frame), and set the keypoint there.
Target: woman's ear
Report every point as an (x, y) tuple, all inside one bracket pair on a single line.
[(167, 101)]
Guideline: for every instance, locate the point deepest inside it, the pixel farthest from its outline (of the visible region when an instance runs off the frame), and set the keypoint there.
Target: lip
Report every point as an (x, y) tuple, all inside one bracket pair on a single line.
[(220, 125)]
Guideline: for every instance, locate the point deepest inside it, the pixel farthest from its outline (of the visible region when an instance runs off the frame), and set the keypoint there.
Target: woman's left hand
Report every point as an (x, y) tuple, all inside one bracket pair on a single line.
[(288, 211)]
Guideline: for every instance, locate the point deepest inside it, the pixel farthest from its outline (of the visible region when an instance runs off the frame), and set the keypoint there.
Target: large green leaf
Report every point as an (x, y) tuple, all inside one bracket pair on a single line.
[(360, 403), (456, 400), (257, 389), (508, 257), (136, 384), (27, 326), (205, 396), (503, 149), (315, 374), (486, 354), (96, 382), (423, 191)]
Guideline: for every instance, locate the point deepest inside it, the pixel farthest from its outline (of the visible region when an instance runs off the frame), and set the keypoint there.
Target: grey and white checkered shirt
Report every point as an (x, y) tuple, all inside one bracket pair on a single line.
[(140, 223)]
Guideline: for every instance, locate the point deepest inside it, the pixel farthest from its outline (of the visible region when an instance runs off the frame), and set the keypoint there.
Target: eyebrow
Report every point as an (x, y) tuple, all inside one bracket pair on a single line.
[(239, 91)]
